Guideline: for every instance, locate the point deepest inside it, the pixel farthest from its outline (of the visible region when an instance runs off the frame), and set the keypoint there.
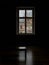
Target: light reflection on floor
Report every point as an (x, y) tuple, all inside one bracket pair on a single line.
[(28, 58)]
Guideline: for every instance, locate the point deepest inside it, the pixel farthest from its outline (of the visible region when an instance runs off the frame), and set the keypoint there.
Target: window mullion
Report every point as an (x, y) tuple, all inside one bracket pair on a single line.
[(25, 21)]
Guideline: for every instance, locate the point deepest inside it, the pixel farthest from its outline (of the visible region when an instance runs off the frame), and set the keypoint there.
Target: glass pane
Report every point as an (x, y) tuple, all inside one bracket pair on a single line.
[(28, 25), (21, 25), (28, 13), (21, 13)]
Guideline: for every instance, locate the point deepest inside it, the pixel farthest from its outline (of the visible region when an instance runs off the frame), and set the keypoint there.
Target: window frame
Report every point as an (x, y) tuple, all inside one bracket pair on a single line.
[(33, 20)]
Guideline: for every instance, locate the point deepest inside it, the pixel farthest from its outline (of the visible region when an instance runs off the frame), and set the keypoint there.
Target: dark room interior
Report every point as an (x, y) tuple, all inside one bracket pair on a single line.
[(24, 49)]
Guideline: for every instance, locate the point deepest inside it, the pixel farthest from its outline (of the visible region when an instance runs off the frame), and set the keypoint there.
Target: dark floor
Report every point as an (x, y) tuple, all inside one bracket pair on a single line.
[(34, 56), (30, 56)]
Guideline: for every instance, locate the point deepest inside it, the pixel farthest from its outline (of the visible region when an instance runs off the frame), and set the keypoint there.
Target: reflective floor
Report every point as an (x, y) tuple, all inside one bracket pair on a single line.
[(25, 57), (29, 57), (33, 56)]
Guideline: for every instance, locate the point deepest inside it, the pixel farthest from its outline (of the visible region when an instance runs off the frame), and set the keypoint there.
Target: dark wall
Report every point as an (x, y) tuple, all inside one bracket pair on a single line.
[(41, 22), (30, 39)]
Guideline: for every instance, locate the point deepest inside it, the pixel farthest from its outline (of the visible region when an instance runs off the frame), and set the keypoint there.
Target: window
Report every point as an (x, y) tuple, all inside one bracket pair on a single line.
[(25, 21)]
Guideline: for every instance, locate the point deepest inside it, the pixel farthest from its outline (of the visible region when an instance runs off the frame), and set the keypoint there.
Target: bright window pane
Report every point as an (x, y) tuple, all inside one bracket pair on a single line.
[(21, 25), (28, 25), (28, 13), (21, 13)]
